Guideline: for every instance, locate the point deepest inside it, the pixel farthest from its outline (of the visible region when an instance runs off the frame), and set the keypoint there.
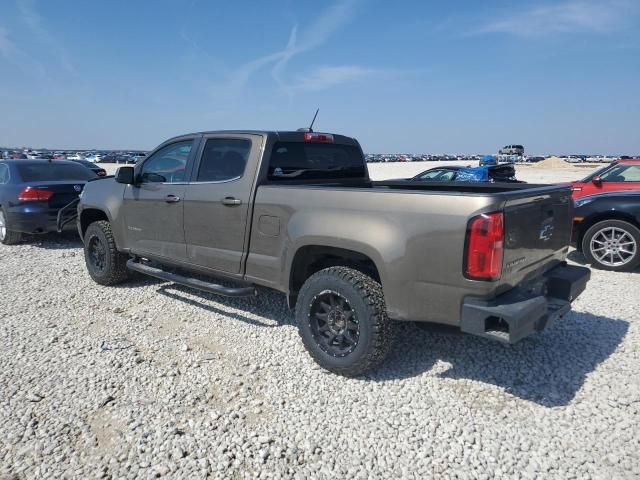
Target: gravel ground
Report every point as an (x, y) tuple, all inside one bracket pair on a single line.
[(150, 380)]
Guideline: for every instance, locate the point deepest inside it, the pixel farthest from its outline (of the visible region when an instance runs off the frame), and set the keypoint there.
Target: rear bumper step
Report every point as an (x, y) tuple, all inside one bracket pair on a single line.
[(520, 312), (191, 282)]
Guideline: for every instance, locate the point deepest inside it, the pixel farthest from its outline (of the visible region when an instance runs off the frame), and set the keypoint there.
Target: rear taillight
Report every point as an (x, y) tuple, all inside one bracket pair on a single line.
[(32, 194), (312, 137), (485, 247)]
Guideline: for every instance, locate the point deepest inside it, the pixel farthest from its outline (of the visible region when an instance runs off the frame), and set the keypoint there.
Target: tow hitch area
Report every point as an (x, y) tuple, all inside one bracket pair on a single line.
[(518, 313)]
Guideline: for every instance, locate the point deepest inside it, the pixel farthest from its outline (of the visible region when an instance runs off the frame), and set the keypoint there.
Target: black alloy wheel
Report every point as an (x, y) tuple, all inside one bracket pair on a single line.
[(334, 324)]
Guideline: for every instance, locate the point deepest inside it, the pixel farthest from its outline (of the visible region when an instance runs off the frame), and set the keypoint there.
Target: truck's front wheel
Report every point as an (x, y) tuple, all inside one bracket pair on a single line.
[(343, 321), (105, 264)]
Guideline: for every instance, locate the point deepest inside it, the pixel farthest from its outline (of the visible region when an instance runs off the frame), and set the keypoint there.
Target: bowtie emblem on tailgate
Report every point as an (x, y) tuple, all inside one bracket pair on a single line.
[(546, 229)]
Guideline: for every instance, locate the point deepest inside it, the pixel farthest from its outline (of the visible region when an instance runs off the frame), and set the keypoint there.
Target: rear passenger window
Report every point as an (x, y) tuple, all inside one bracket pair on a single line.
[(223, 159)]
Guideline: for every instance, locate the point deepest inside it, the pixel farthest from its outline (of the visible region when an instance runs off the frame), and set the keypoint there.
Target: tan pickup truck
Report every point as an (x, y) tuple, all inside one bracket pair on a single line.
[(298, 213)]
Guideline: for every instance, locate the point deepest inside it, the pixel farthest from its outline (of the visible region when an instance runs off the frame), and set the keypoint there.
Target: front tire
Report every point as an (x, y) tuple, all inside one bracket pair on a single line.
[(612, 245), (105, 264), (7, 236), (343, 322)]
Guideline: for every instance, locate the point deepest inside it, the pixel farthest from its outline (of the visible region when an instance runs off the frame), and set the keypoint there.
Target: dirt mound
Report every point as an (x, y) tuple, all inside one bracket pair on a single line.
[(552, 162)]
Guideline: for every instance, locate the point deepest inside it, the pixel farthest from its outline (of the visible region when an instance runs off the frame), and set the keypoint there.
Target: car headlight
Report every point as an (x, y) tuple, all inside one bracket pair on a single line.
[(583, 201)]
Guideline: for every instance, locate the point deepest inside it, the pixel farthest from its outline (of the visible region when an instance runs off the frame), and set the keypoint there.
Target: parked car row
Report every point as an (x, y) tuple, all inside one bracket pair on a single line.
[(33, 191), (89, 156)]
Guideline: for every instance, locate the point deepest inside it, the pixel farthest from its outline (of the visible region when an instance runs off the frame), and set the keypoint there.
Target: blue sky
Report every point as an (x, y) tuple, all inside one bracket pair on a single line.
[(460, 76)]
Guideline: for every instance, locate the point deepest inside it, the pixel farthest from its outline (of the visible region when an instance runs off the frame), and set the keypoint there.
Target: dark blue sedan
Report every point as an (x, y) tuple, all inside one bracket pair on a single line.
[(32, 192)]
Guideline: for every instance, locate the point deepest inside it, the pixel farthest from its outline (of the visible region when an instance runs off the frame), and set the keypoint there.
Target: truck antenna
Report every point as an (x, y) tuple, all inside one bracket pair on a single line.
[(314, 120)]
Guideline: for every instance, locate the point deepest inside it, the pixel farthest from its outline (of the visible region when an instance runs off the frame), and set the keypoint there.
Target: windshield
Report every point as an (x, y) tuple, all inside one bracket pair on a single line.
[(53, 172), (622, 173), (437, 174), (85, 163), (597, 173), (296, 160)]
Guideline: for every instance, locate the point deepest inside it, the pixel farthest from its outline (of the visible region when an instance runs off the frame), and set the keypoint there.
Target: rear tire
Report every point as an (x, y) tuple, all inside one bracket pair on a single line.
[(343, 322), (612, 245), (7, 236), (105, 264)]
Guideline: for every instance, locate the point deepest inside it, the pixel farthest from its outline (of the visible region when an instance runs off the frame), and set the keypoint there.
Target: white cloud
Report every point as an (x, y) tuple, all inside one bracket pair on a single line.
[(329, 76), (7, 48), (300, 41), (36, 24), (20, 59), (572, 16)]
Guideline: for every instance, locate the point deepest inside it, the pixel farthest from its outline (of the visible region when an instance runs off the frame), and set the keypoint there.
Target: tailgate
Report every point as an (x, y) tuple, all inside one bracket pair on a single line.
[(537, 232)]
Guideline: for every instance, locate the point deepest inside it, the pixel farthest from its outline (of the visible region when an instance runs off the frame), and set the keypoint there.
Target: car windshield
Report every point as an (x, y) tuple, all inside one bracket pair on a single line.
[(438, 174), (85, 163), (52, 172), (597, 173), (622, 173)]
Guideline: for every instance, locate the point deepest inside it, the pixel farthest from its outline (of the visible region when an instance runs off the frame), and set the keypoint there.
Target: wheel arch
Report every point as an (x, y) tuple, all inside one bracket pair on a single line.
[(309, 259), (90, 215)]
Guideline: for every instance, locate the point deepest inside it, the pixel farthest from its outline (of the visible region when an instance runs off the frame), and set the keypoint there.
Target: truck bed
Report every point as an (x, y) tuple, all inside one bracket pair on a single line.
[(413, 231), (468, 188)]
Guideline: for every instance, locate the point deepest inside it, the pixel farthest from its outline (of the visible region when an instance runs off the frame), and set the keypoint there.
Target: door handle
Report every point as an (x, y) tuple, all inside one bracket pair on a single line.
[(171, 199), (231, 201)]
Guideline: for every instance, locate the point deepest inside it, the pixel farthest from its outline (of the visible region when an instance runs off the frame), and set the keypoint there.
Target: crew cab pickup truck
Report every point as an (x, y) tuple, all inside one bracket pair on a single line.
[(298, 213)]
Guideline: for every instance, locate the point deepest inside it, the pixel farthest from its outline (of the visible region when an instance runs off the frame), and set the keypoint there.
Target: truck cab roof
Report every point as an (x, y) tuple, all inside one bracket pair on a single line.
[(276, 135)]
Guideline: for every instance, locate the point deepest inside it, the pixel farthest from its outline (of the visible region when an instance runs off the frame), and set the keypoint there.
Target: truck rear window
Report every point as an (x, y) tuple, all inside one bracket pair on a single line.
[(297, 161), (52, 172)]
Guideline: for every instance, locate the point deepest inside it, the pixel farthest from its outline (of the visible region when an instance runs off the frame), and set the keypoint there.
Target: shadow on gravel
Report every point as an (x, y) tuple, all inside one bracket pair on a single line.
[(580, 259), (53, 241), (267, 304), (548, 368)]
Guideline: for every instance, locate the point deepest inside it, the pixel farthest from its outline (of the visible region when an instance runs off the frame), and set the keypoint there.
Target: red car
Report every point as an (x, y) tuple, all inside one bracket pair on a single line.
[(620, 175)]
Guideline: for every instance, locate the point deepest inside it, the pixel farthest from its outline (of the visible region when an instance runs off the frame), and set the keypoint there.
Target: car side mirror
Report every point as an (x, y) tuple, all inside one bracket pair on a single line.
[(125, 175), (597, 181)]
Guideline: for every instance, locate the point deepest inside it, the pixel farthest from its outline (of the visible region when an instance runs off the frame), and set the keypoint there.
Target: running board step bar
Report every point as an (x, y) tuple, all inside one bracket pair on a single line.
[(191, 282)]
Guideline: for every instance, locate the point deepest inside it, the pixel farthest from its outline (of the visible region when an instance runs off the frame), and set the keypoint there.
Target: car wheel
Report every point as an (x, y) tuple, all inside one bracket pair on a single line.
[(7, 236), (612, 245), (106, 265), (343, 321)]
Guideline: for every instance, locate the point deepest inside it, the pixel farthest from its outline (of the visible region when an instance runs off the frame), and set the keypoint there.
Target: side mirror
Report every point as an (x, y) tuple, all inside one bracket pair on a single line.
[(597, 181), (125, 175)]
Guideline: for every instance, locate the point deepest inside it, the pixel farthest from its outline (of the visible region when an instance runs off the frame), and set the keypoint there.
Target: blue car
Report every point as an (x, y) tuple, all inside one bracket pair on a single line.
[(488, 160), (32, 192), (492, 173)]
